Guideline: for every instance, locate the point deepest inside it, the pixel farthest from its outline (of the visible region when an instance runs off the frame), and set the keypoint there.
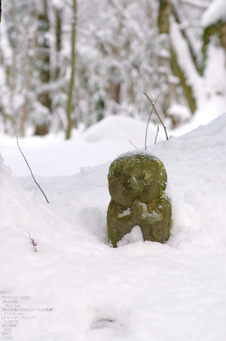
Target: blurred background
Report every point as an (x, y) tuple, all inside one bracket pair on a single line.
[(67, 64)]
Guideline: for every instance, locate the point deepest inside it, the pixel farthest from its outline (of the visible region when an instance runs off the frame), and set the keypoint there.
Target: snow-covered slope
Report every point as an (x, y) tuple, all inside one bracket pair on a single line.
[(140, 291), (51, 156)]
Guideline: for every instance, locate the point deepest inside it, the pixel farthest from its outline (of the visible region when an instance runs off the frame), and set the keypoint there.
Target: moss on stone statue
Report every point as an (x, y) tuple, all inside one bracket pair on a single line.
[(120, 221), (155, 220), (136, 185), (136, 176)]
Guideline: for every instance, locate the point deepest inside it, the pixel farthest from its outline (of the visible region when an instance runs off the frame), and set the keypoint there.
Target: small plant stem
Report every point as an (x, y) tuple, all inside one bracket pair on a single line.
[(31, 170), (133, 144), (146, 132), (156, 134), (33, 242), (153, 105)]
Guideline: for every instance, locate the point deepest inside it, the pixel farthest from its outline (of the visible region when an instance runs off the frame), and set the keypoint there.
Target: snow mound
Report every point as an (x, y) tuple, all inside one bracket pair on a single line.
[(195, 166), (120, 128), (139, 291)]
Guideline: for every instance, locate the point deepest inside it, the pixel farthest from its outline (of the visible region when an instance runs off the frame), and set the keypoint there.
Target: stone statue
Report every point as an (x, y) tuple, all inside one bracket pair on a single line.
[(136, 185)]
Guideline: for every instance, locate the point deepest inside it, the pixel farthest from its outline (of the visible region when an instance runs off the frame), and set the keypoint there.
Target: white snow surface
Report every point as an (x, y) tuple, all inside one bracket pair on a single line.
[(140, 291), (215, 11)]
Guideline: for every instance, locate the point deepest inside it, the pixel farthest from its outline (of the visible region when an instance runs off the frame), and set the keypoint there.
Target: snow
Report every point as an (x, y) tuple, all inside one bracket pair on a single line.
[(179, 111), (125, 213), (100, 143), (185, 61), (216, 84), (215, 11), (140, 291), (134, 236)]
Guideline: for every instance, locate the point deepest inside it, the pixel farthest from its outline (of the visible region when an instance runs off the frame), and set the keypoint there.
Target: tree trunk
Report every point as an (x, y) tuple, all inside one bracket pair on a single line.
[(58, 16), (186, 88), (73, 62), (42, 128), (163, 17), (165, 9), (29, 75), (183, 31), (218, 29)]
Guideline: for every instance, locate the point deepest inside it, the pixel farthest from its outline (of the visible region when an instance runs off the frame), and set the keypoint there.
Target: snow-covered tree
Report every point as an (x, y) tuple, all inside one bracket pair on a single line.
[(123, 49), (197, 35)]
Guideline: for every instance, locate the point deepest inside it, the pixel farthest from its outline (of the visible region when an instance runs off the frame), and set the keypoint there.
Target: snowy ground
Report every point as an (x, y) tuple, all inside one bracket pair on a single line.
[(141, 291)]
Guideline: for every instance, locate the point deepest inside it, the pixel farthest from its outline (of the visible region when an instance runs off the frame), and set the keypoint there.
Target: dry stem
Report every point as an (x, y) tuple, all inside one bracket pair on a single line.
[(30, 169), (33, 242), (153, 107)]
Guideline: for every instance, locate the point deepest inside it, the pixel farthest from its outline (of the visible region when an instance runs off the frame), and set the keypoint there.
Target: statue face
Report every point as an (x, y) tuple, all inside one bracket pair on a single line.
[(136, 177), (135, 182)]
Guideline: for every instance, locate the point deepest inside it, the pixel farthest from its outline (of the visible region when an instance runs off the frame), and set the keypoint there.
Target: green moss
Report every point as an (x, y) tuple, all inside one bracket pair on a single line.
[(136, 184), (156, 222), (119, 222), (154, 219), (137, 176)]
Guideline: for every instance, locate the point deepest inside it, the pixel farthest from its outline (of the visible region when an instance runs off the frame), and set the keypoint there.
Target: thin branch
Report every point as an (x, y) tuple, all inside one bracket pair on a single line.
[(30, 169), (153, 105), (133, 145), (156, 134), (146, 132)]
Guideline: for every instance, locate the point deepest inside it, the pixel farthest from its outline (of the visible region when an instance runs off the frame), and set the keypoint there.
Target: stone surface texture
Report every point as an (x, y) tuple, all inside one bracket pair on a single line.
[(136, 185)]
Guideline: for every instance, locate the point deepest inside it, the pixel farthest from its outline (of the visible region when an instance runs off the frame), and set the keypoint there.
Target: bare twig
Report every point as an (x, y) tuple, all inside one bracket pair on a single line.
[(30, 169), (146, 132), (153, 105), (156, 134), (133, 145), (33, 242)]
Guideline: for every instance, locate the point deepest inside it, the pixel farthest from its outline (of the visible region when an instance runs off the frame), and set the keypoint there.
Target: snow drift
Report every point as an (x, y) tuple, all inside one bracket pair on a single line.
[(140, 291)]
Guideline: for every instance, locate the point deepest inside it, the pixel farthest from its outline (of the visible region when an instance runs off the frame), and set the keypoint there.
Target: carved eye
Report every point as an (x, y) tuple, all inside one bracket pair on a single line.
[(127, 184)]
